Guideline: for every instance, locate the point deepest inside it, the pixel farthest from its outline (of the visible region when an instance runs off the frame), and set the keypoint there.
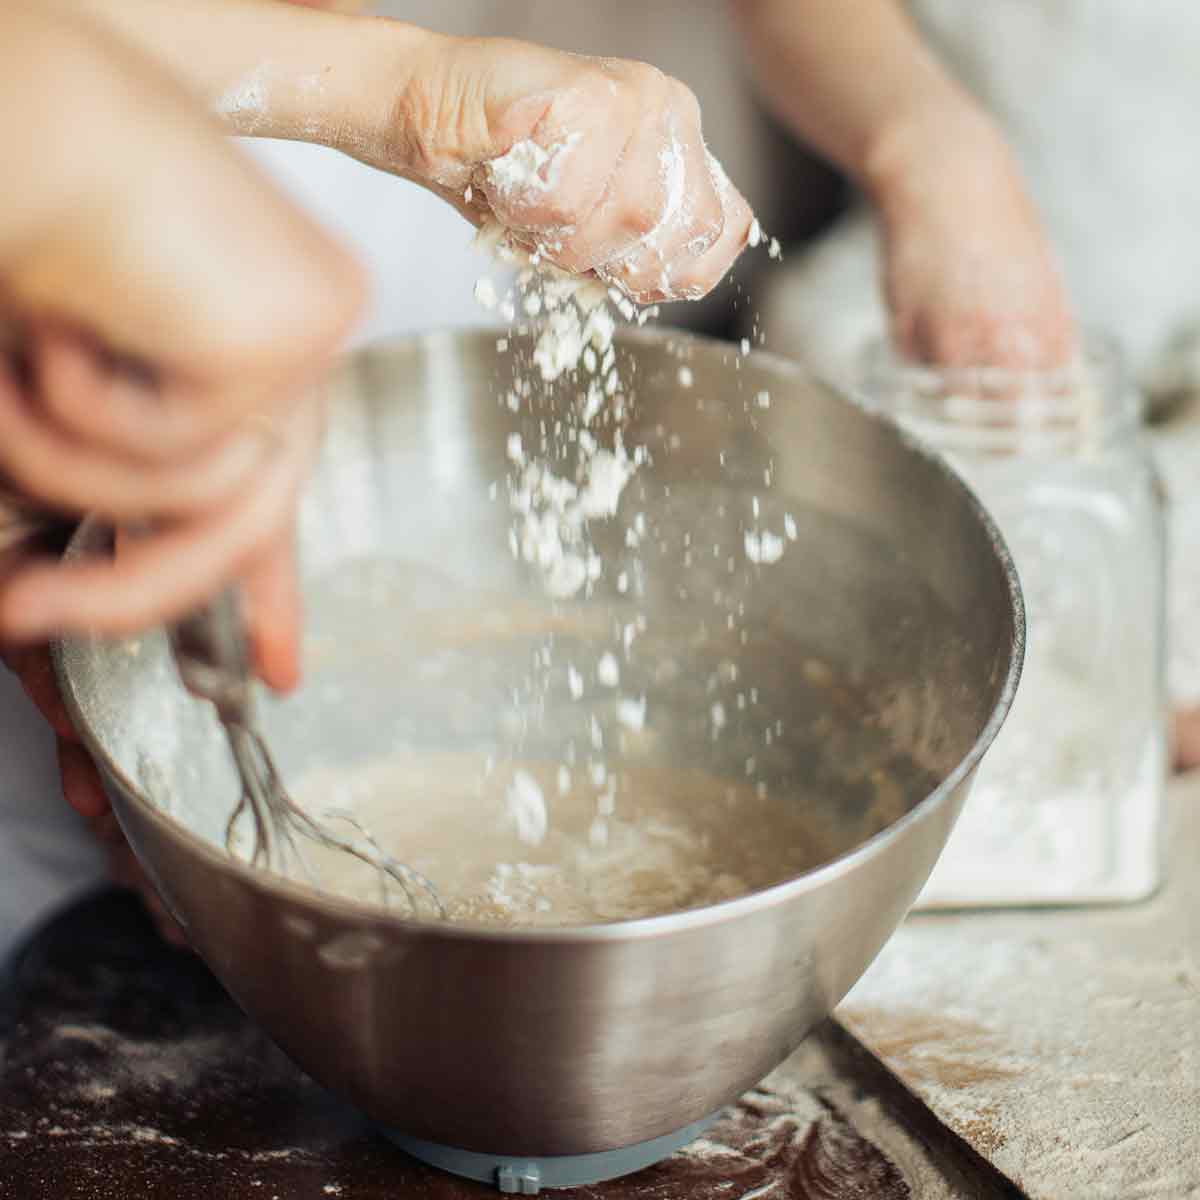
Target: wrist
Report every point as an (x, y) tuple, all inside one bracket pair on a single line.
[(407, 110), (939, 142), (327, 78)]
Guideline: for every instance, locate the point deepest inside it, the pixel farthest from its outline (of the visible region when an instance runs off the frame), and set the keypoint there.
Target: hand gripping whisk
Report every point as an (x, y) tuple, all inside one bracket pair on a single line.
[(210, 652)]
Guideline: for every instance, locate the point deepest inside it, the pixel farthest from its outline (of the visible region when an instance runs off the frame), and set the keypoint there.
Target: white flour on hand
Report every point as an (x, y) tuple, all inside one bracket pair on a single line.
[(528, 168)]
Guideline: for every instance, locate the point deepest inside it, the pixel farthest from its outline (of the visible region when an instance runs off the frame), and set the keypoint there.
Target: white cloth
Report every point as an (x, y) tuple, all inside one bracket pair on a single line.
[(1099, 99)]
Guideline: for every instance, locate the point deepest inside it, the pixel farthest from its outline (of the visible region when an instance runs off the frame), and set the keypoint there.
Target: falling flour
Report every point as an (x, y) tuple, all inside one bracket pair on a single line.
[(600, 832), (576, 332)]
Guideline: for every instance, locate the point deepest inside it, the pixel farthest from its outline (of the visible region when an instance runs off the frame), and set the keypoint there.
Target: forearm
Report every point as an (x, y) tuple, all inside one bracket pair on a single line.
[(439, 110), (854, 79), (276, 70)]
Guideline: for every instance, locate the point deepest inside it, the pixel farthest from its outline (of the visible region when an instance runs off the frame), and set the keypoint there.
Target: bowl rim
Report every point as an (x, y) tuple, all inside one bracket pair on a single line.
[(365, 913)]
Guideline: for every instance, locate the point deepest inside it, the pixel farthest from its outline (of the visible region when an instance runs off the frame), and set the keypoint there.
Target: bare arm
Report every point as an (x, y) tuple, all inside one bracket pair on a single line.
[(272, 69), (850, 76), (439, 110), (968, 272)]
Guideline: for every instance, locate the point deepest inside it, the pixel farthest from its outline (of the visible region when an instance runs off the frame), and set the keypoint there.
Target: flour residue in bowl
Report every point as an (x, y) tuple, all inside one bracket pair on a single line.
[(537, 844)]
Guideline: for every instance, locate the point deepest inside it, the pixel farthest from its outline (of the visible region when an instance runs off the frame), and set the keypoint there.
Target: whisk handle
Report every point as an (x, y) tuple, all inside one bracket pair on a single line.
[(213, 658)]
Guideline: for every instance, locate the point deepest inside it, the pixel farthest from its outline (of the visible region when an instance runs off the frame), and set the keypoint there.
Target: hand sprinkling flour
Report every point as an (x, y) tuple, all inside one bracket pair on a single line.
[(565, 161), (597, 166), (574, 336)]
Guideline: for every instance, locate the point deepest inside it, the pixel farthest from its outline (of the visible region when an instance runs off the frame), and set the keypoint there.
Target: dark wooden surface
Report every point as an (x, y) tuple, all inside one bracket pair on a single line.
[(129, 1075)]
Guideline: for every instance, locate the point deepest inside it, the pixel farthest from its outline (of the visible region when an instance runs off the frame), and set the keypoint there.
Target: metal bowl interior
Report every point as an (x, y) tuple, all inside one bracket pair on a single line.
[(884, 646)]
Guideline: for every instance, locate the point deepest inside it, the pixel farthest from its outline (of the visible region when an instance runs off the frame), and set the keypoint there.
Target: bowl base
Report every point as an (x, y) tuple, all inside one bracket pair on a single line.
[(528, 1176)]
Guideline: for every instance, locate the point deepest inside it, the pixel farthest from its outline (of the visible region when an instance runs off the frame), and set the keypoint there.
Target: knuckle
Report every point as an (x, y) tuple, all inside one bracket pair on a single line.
[(597, 84), (684, 103), (638, 220), (644, 80)]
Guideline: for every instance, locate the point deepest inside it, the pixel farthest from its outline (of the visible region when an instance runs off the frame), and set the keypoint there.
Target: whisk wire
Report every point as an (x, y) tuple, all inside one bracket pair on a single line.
[(210, 652)]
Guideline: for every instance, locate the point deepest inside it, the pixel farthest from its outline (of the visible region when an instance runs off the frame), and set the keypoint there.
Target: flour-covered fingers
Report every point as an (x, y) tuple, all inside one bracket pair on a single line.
[(597, 165), (692, 248)]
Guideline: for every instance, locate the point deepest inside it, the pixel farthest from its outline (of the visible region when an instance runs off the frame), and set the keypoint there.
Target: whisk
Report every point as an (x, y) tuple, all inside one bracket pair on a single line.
[(211, 655)]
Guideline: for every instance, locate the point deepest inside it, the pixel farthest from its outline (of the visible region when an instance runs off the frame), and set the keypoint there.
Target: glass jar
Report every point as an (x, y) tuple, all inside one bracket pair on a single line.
[(1068, 804)]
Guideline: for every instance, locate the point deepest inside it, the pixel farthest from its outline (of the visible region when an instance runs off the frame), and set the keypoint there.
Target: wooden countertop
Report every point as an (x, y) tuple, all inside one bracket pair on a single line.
[(1063, 1045), (130, 1076)]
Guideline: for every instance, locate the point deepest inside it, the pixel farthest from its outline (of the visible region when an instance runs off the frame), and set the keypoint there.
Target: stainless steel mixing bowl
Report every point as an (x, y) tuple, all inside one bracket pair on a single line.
[(889, 636)]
